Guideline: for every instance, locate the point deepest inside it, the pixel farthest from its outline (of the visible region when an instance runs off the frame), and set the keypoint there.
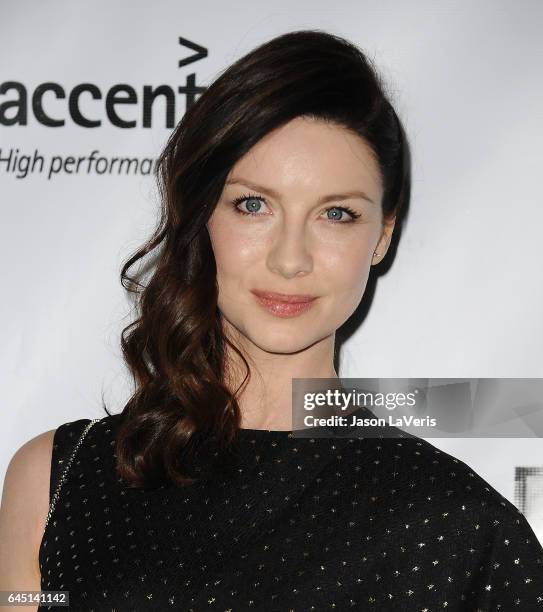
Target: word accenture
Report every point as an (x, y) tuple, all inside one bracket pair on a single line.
[(14, 109), (16, 100)]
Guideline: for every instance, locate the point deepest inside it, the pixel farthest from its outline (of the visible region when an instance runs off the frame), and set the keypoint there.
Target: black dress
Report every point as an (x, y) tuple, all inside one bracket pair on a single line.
[(314, 524)]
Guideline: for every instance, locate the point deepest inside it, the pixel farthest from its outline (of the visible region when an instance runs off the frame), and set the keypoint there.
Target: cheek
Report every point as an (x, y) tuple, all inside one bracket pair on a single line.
[(236, 252), (345, 275), (347, 266)]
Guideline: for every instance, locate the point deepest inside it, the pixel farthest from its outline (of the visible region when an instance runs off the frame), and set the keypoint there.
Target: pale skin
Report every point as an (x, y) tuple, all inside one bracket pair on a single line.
[(290, 244), (25, 501)]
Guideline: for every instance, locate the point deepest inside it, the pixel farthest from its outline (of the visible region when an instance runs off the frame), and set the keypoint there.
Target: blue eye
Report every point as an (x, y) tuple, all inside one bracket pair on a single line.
[(341, 210), (254, 204)]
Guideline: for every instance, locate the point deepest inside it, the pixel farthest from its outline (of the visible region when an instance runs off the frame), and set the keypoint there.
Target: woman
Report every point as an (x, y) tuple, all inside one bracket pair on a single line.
[(281, 188)]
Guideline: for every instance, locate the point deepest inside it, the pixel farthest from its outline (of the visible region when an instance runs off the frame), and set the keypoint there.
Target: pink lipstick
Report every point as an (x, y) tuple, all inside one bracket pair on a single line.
[(284, 305)]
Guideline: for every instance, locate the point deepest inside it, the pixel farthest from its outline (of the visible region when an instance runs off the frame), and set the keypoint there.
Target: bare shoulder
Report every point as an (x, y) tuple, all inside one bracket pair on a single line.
[(23, 511)]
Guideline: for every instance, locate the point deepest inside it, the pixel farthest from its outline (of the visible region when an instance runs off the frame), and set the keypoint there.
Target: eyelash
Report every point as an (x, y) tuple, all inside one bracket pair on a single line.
[(237, 201)]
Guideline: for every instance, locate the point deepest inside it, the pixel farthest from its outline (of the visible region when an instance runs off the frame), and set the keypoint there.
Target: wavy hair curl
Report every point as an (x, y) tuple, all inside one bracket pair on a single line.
[(175, 348)]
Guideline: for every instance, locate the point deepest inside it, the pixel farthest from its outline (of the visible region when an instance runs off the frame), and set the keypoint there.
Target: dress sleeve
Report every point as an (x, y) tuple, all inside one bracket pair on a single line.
[(508, 572)]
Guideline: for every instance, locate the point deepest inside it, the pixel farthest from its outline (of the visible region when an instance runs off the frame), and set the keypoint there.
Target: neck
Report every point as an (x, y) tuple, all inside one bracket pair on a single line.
[(266, 400)]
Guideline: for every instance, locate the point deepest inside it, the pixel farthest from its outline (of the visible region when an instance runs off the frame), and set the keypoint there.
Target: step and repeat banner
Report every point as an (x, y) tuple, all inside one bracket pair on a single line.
[(89, 93)]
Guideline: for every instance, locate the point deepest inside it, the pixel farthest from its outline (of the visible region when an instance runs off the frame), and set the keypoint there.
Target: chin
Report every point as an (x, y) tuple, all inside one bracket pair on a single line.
[(285, 341), (284, 344)]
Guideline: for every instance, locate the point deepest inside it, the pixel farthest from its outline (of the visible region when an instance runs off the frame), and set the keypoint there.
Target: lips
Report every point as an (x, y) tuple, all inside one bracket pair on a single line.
[(283, 297), (284, 305)]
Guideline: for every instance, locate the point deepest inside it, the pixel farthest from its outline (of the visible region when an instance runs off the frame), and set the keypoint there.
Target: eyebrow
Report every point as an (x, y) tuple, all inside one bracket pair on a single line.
[(327, 198)]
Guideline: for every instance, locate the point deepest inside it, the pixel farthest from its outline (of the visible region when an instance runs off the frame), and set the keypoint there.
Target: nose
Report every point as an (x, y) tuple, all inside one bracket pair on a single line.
[(289, 255)]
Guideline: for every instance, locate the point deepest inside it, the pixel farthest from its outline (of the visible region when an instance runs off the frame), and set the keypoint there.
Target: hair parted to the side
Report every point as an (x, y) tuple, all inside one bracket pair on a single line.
[(175, 348)]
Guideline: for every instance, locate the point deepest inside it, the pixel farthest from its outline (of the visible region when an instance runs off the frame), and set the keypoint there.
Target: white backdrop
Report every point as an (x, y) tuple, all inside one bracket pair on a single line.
[(464, 297)]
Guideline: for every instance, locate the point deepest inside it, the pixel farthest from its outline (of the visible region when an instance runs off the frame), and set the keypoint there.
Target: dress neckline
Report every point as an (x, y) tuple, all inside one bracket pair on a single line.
[(267, 432)]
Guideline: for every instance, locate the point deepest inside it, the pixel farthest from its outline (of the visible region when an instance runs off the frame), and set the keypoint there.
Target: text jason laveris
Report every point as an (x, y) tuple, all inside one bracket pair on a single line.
[(354, 421)]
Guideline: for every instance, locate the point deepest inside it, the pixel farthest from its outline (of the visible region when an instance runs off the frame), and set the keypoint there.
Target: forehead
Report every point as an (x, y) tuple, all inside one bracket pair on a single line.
[(312, 155)]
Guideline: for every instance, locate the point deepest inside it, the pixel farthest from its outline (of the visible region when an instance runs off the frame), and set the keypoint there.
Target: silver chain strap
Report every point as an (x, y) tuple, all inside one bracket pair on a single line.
[(65, 471)]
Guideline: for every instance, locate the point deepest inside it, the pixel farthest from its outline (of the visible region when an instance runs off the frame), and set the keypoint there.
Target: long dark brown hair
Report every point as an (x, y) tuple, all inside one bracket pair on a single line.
[(175, 348)]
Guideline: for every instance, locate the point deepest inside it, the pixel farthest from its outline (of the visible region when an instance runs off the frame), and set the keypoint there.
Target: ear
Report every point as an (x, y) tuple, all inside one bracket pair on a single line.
[(384, 241)]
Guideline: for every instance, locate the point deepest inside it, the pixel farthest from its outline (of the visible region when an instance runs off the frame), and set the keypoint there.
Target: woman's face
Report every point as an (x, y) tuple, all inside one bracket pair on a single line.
[(294, 237)]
